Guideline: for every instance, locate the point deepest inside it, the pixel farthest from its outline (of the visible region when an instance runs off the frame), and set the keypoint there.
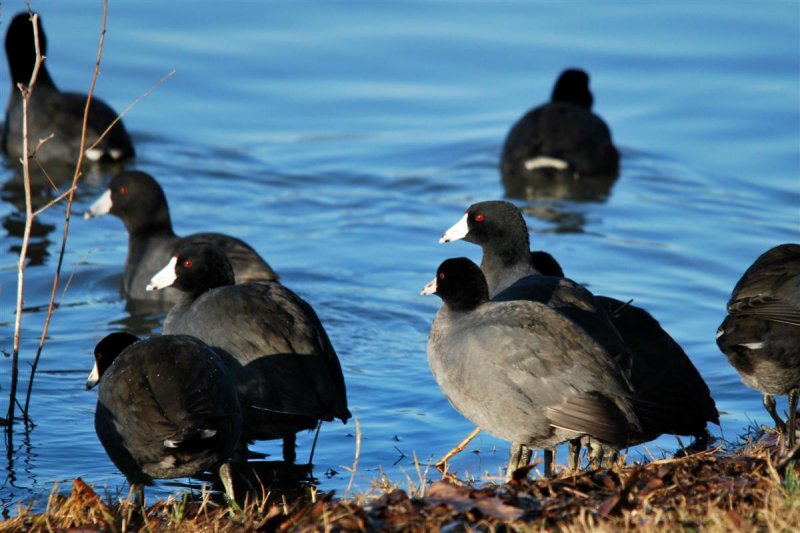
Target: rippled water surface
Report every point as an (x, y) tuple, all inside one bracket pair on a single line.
[(342, 139)]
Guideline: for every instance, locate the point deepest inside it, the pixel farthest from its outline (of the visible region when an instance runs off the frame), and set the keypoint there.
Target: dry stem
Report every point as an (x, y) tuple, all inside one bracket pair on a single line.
[(26, 93), (70, 198)]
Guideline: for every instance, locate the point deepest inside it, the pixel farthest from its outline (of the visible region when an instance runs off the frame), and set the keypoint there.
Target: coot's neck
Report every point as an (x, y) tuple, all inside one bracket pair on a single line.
[(154, 225), (21, 64), (202, 282), (183, 302), (43, 81), (506, 259), (468, 298)]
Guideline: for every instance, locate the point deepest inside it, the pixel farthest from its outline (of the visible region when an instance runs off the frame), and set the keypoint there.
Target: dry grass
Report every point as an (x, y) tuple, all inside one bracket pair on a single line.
[(752, 488)]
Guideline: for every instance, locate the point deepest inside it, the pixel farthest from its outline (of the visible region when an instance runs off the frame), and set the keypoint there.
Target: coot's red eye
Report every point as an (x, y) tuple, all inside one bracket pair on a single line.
[(187, 263), (441, 275), (479, 217), (123, 190)]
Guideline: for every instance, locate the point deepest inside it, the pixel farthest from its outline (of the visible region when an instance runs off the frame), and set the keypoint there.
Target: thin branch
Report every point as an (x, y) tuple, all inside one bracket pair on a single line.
[(70, 198), (53, 202), (69, 191), (355, 459), (130, 106), (26, 235)]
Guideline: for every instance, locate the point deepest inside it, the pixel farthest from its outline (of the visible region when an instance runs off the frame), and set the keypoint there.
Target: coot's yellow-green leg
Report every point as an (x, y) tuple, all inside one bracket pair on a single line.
[(769, 405), (792, 417)]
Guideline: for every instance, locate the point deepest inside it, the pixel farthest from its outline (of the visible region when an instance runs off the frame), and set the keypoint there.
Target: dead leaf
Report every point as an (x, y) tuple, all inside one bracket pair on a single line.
[(461, 499)]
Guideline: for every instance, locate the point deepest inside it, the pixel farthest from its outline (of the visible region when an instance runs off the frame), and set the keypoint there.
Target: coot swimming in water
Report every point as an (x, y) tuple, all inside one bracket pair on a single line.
[(560, 140), (51, 111), (138, 199)]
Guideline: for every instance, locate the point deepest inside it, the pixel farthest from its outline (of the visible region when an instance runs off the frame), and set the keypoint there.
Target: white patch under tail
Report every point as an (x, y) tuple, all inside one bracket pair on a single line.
[(94, 154), (546, 162), (752, 345)]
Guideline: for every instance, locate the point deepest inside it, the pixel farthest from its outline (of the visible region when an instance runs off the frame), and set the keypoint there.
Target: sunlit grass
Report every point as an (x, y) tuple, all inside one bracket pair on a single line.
[(754, 486)]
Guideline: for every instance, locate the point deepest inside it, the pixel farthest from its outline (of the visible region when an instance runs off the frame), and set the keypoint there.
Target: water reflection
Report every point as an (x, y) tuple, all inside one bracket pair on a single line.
[(45, 185), (14, 224), (142, 318), (560, 200), (545, 185), (566, 218), (259, 479)]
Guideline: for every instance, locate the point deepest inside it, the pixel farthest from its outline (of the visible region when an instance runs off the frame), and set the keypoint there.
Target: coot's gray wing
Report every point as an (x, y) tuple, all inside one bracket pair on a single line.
[(770, 288), (509, 364), (264, 320), (577, 304), (670, 392), (191, 386), (68, 120)]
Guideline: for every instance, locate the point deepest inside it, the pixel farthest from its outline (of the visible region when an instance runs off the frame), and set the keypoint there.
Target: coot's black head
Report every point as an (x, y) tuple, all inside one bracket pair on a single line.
[(136, 198), (21, 47), (496, 225), (460, 284), (546, 264), (573, 86), (106, 352), (195, 268)]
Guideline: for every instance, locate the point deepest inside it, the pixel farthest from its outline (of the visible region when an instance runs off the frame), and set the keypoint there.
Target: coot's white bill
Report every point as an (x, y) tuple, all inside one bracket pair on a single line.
[(100, 207), (458, 231), (164, 277)]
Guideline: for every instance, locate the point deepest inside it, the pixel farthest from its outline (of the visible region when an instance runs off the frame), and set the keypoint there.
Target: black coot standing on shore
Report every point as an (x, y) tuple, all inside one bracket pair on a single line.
[(287, 372), (670, 394), (761, 334), (167, 407), (520, 369)]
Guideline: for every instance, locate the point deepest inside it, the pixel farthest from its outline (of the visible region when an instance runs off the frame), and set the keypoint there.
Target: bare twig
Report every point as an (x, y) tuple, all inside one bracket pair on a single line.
[(138, 99), (441, 464), (26, 235), (355, 460), (70, 198), (152, 88)]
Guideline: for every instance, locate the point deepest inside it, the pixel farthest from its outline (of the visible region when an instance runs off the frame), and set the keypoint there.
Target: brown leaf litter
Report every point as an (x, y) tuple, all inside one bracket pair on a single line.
[(753, 489)]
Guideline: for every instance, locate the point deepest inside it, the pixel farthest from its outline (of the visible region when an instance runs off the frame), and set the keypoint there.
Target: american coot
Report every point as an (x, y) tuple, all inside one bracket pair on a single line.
[(500, 230), (52, 111), (661, 372), (167, 407), (287, 371), (520, 369), (562, 139), (761, 334), (670, 395), (137, 198)]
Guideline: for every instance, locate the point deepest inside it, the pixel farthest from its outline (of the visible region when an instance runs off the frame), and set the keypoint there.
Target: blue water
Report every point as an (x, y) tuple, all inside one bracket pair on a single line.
[(341, 140)]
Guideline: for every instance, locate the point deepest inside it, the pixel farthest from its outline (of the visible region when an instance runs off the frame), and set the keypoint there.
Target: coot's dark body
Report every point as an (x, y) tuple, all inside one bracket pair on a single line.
[(761, 334), (288, 374), (167, 407), (51, 111)]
